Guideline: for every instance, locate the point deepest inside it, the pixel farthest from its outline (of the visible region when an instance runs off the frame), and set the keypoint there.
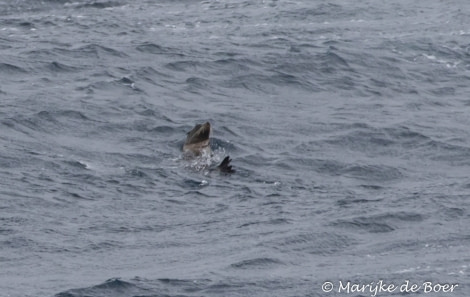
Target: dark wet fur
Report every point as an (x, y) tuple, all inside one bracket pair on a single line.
[(225, 166), (201, 133), (198, 134)]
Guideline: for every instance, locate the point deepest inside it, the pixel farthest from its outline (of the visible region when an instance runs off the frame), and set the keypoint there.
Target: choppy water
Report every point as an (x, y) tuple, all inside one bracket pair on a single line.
[(347, 122)]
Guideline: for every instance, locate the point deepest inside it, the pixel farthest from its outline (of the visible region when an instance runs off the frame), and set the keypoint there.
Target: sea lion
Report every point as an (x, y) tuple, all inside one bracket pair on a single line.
[(198, 144)]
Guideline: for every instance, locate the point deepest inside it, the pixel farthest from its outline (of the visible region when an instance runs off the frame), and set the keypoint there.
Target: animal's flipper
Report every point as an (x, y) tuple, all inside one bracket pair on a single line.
[(225, 166)]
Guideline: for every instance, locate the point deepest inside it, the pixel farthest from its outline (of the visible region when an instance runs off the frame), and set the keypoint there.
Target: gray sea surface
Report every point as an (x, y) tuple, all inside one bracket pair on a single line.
[(347, 122)]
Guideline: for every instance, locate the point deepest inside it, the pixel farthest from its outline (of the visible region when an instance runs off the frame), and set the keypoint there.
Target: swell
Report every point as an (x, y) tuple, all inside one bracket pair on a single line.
[(174, 287), (11, 69), (257, 263), (316, 243), (380, 223), (398, 142), (93, 50), (48, 121)]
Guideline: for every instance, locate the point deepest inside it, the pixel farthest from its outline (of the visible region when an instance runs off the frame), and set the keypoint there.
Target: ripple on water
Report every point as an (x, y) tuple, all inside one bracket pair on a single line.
[(379, 223), (11, 69), (257, 263), (317, 243)]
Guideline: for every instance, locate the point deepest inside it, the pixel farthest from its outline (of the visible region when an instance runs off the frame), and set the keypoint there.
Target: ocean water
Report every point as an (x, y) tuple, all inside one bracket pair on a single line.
[(347, 122)]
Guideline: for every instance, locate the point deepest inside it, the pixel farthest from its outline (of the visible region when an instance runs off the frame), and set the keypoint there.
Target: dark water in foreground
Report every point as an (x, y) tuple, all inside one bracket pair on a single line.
[(347, 123)]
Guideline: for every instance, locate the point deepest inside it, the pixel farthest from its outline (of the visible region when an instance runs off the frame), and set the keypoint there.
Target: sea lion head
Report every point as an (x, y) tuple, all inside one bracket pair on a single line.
[(197, 140)]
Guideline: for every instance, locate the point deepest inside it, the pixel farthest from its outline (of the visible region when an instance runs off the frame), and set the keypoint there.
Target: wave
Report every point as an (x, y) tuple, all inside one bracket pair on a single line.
[(257, 263), (99, 4), (379, 223), (11, 69), (316, 243)]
